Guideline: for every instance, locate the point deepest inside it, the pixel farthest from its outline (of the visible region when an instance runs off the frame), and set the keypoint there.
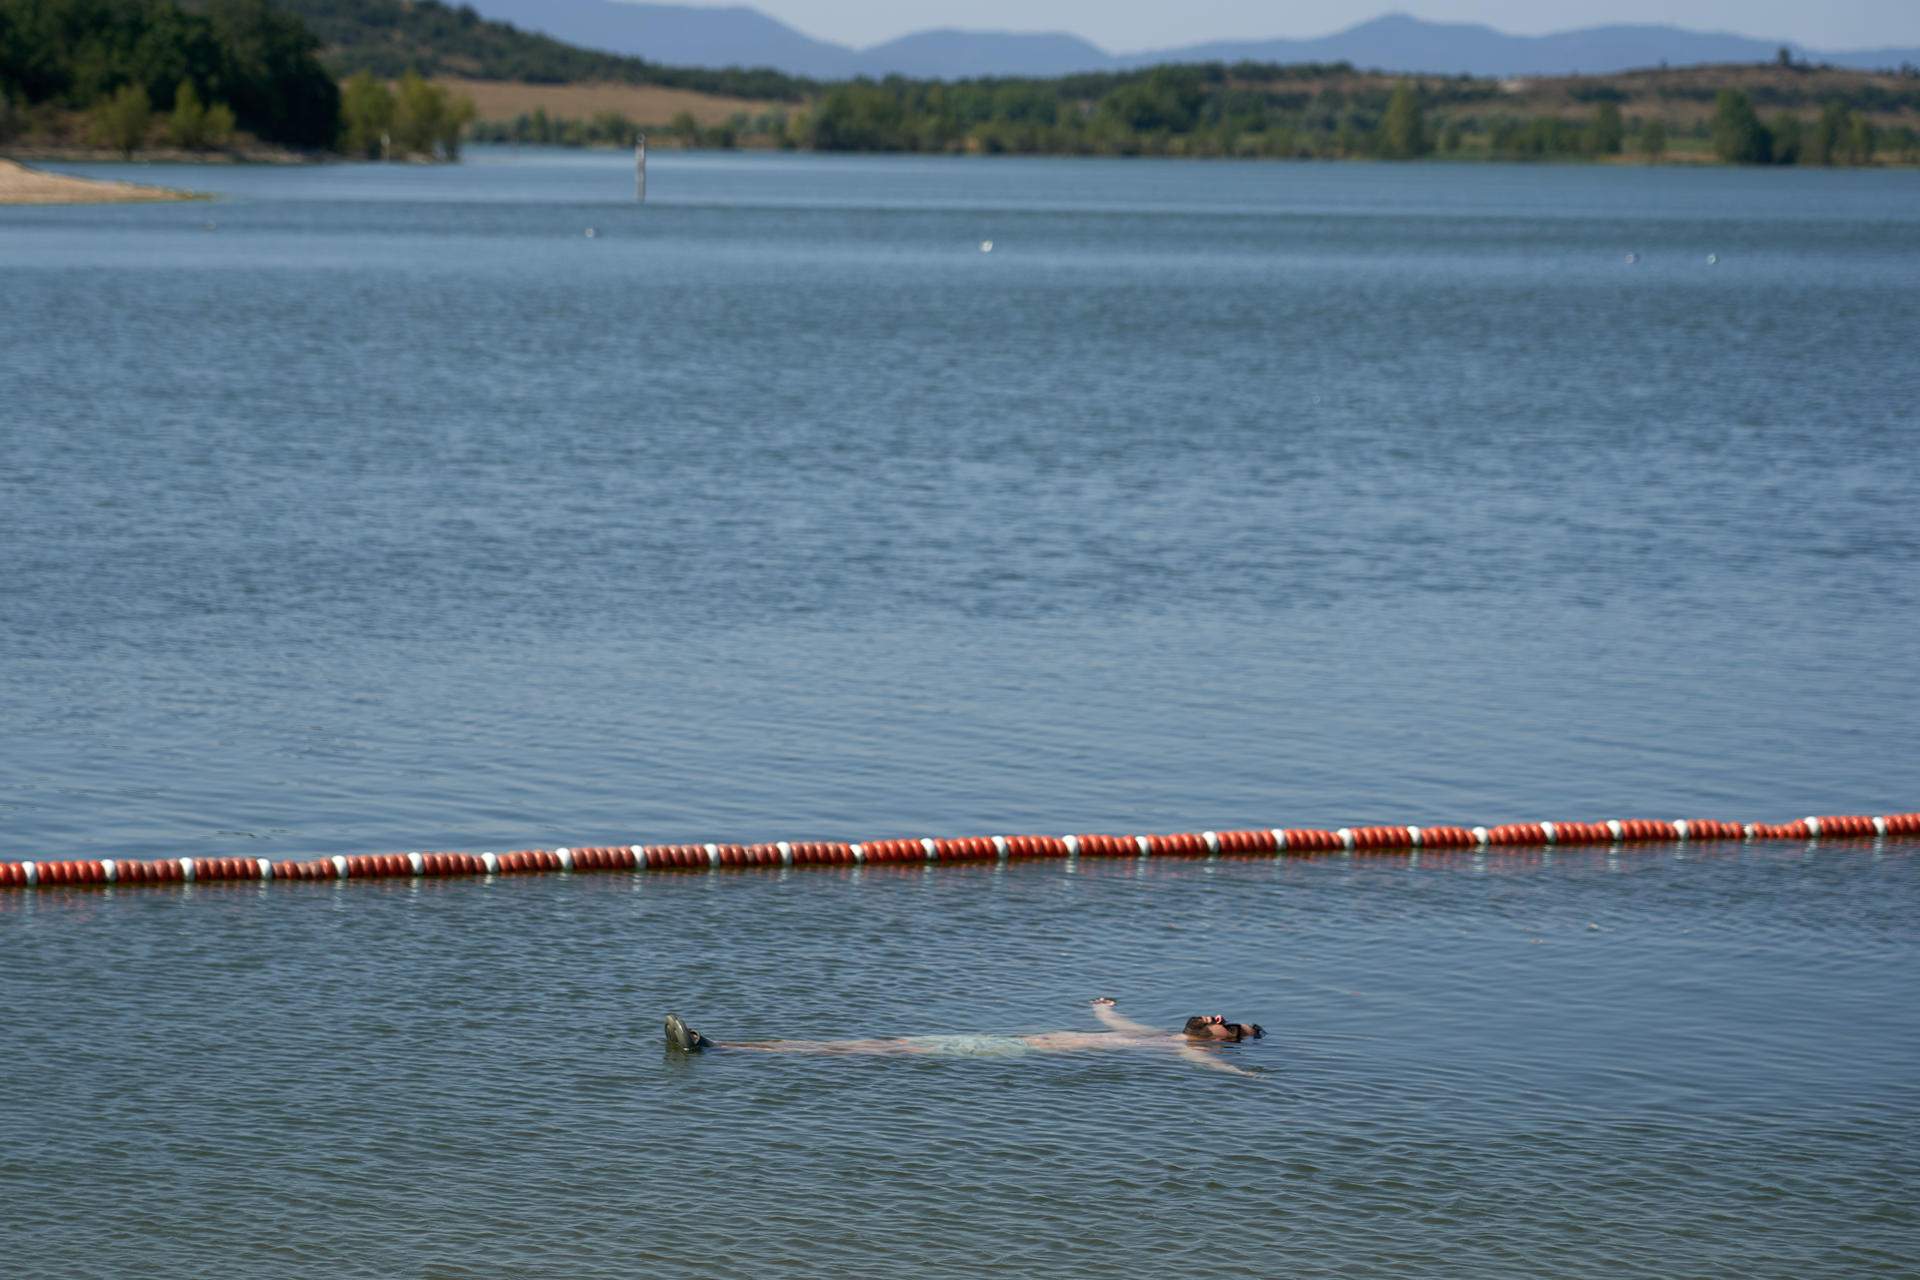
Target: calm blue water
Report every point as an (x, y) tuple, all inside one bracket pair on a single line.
[(375, 508)]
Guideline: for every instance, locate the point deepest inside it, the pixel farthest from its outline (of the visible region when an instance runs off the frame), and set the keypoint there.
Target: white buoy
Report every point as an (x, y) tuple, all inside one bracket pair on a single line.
[(1713, 259), (1632, 258), (591, 233), (986, 246)]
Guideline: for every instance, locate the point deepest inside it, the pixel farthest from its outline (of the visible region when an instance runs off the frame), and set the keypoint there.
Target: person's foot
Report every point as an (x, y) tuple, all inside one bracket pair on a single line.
[(683, 1037)]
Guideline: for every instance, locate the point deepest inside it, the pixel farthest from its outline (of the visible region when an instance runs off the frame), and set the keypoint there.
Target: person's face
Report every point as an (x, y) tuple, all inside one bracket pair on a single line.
[(1217, 1028)]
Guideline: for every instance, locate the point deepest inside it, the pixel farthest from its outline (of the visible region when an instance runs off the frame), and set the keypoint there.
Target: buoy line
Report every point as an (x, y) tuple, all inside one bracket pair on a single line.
[(31, 874)]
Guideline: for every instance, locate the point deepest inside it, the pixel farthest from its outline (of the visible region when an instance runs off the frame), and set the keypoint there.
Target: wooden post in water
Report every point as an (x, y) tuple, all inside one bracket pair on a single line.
[(639, 168)]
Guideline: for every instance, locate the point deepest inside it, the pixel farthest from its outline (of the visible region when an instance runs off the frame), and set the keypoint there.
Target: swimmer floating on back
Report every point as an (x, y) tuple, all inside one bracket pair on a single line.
[(1195, 1041)]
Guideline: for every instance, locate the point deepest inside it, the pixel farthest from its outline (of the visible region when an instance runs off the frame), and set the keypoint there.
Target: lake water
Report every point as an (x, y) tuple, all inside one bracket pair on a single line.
[(370, 508)]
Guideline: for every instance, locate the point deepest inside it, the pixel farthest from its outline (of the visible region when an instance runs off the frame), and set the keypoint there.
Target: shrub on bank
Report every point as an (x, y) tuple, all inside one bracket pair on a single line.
[(413, 119), (121, 122), (198, 127)]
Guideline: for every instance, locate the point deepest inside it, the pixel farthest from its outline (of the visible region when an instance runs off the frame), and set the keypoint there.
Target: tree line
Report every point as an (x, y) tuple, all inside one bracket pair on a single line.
[(118, 57), (1255, 110), (1840, 136), (1308, 112), (197, 77)]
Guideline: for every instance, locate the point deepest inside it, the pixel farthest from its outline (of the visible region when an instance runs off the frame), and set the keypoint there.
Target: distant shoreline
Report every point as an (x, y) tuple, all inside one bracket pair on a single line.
[(21, 185)]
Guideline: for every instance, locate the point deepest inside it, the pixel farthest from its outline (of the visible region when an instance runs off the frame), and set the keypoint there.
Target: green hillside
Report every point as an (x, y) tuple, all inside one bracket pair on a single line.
[(390, 37), (251, 58)]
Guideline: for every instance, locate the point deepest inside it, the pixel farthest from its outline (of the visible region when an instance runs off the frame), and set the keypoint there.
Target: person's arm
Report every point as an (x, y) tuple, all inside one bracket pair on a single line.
[(1109, 1016), (1201, 1058)]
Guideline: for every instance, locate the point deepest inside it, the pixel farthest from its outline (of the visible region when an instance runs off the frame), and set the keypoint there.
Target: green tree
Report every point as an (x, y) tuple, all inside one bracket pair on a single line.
[(1024, 102), (1402, 134), (1789, 140), (1167, 100), (456, 113), (1653, 139), (221, 124), (122, 121), (417, 108), (190, 123), (1349, 141), (613, 128), (1609, 132), (366, 116), (427, 119), (1826, 138), (860, 116), (1862, 138), (273, 77), (799, 131), (1738, 135), (684, 127), (1536, 139)]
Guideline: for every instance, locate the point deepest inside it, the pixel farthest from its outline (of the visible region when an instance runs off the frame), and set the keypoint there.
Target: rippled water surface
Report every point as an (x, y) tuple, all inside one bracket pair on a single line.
[(372, 508), (1654, 1065)]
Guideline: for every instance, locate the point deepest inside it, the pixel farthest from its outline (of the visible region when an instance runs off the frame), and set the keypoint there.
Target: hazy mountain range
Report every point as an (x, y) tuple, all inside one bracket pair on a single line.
[(686, 35)]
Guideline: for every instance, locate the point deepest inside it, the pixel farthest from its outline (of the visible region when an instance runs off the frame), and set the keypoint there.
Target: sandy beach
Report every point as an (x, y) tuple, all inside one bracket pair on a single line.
[(21, 185)]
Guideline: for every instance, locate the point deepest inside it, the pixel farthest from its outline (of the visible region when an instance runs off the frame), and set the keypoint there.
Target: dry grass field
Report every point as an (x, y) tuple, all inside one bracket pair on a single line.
[(643, 104), (1683, 96)]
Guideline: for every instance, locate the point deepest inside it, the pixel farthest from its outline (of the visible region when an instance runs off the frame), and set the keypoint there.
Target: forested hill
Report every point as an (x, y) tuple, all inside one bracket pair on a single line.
[(391, 37), (256, 61)]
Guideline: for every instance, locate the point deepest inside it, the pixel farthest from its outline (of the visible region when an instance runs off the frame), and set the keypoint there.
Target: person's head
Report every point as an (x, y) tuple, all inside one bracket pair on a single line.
[(1214, 1026)]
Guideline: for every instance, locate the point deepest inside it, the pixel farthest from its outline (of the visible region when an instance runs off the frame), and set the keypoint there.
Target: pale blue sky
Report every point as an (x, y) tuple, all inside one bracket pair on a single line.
[(1125, 25)]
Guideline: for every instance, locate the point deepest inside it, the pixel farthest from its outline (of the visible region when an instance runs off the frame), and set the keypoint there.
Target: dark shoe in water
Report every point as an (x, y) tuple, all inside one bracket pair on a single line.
[(683, 1037)]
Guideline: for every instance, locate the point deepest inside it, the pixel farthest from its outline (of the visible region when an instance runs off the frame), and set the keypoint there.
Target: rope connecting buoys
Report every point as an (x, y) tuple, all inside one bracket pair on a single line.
[(31, 874)]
